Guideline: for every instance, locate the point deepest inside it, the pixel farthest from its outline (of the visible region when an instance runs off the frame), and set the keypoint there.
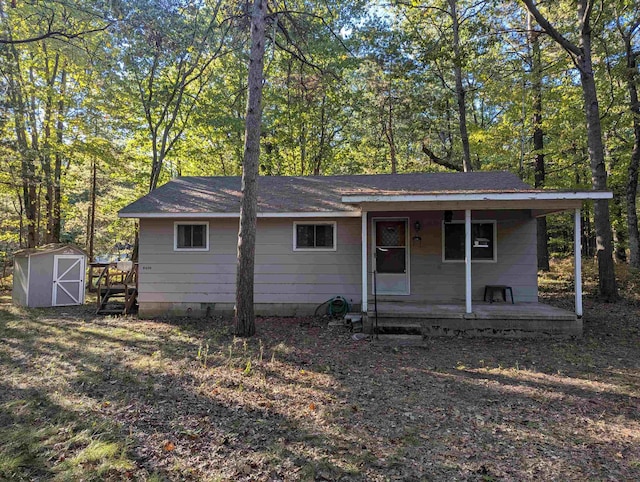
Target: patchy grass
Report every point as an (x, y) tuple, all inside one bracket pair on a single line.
[(118, 398)]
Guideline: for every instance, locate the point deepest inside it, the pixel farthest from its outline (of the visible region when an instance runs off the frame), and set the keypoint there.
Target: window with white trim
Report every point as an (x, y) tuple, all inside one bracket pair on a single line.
[(191, 236), (483, 241), (314, 236)]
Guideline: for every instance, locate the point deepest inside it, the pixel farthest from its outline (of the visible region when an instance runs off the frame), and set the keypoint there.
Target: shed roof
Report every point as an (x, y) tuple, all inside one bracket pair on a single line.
[(48, 248), (283, 194)]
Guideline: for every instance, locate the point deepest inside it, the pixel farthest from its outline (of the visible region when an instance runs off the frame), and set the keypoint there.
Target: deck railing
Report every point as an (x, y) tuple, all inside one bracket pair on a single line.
[(117, 280)]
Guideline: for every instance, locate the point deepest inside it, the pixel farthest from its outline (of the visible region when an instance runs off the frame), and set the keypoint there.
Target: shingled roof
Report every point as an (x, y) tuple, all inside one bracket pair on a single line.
[(311, 194)]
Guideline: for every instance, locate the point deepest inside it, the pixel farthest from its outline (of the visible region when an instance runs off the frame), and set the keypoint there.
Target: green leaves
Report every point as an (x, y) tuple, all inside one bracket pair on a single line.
[(156, 89)]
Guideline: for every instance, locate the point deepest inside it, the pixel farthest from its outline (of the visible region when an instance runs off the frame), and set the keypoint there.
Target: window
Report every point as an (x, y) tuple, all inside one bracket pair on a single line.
[(314, 236), (191, 236), (483, 241)]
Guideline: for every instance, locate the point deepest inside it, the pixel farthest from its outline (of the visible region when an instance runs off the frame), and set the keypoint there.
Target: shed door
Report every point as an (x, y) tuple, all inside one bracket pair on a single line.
[(68, 280)]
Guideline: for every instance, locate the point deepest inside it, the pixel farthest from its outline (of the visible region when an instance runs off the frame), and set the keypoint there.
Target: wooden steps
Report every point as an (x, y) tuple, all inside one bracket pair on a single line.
[(117, 300), (117, 290)]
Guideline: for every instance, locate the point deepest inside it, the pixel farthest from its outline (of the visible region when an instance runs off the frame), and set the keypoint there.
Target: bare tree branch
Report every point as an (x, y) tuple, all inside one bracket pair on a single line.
[(441, 161), (55, 34), (572, 49)]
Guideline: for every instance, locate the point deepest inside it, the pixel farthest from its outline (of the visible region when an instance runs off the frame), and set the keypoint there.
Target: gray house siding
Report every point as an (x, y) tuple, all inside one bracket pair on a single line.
[(296, 282), (433, 280), (286, 281)]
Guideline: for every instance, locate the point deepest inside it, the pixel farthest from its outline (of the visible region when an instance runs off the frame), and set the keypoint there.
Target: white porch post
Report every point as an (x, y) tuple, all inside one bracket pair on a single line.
[(577, 236), (365, 290), (467, 259)]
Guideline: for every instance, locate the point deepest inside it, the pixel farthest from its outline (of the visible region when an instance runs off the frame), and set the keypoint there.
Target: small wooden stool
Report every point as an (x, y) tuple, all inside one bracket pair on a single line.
[(492, 289)]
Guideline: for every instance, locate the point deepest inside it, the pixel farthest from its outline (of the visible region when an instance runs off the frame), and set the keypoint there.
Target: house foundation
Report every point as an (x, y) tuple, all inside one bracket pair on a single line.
[(501, 320)]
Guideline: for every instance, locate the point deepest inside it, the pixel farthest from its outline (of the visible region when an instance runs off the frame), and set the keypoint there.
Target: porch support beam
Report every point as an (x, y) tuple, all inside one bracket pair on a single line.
[(365, 276), (577, 236), (467, 260)]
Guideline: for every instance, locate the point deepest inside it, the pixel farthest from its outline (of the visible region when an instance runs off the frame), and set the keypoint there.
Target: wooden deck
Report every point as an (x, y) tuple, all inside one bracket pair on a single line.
[(488, 319)]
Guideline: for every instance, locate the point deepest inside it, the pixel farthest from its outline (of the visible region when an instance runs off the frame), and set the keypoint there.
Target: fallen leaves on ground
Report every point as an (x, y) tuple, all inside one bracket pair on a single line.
[(121, 398)]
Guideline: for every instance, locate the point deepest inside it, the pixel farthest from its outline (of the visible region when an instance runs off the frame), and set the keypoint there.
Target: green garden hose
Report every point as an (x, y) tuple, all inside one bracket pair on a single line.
[(336, 306)]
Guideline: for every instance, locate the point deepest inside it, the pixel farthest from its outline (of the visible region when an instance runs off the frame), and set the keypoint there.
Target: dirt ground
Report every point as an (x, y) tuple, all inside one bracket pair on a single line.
[(103, 398)]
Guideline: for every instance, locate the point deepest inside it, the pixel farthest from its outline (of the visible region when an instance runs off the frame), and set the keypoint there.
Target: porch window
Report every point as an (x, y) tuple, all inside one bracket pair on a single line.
[(191, 236), (314, 236), (483, 241)]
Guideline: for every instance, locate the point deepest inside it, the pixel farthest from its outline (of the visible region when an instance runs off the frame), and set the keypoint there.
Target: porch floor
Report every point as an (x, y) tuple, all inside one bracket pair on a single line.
[(480, 310), (487, 319)]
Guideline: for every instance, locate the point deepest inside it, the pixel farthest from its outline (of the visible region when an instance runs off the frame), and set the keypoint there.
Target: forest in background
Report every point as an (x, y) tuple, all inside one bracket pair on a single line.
[(102, 101)]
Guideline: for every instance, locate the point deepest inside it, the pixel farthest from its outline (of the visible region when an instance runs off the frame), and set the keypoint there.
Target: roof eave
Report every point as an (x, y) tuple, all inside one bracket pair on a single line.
[(474, 197), (205, 215), (440, 200)]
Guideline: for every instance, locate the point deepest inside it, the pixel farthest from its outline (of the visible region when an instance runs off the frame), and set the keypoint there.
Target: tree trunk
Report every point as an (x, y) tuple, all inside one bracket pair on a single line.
[(20, 210), (632, 172), (319, 157), (156, 163), (538, 140), (617, 208), (30, 196), (39, 214), (581, 56), (92, 211), (56, 225), (45, 157), (388, 131), (460, 92), (604, 245), (244, 312), (27, 160), (51, 73)]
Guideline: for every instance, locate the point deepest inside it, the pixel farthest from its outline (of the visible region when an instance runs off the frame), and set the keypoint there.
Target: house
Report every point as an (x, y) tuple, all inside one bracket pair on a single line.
[(418, 248)]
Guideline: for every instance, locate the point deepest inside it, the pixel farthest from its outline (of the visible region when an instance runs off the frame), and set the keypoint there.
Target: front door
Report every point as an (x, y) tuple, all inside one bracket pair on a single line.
[(391, 256), (68, 280)]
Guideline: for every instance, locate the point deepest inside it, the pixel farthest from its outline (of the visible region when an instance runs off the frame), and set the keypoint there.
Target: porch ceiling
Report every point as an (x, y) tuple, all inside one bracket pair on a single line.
[(539, 202), (538, 207)]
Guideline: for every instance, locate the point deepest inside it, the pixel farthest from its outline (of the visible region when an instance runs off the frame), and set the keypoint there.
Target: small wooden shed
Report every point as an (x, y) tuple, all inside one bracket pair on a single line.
[(50, 275)]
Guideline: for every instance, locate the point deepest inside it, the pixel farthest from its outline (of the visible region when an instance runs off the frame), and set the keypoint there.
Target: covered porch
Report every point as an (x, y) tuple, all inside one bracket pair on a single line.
[(499, 319), (508, 253)]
